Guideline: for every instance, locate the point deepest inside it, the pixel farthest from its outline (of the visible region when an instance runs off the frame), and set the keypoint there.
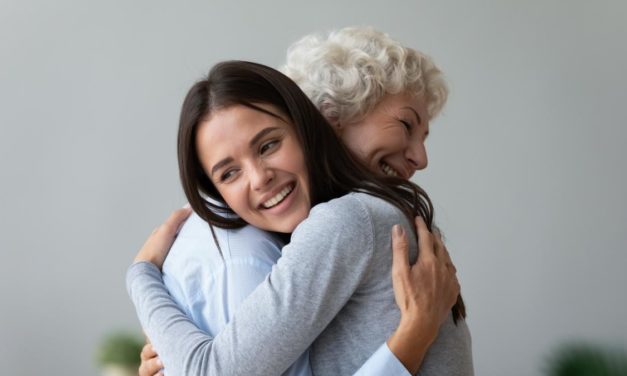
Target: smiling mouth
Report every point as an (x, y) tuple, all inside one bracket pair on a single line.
[(279, 197), (388, 170)]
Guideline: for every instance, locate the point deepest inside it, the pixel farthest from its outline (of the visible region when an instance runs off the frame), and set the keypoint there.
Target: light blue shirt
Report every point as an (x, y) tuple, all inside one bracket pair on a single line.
[(209, 286)]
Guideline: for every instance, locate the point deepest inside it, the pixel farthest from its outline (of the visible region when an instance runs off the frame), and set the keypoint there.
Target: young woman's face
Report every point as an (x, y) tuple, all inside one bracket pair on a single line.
[(391, 138), (257, 164)]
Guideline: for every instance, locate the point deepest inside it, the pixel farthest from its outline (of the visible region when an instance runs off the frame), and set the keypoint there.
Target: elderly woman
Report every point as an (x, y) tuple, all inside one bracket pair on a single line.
[(365, 84), (379, 97)]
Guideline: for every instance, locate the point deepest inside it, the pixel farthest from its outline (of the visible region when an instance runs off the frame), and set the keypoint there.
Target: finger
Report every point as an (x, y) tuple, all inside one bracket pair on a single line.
[(455, 291), (446, 257), (148, 352), (150, 367), (176, 220), (155, 365), (438, 246), (435, 230), (438, 232), (458, 288), (145, 353), (400, 251), (425, 239), (451, 268), (449, 299)]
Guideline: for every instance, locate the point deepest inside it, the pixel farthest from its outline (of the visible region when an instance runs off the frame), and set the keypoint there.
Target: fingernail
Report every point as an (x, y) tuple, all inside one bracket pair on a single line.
[(398, 230), (187, 206)]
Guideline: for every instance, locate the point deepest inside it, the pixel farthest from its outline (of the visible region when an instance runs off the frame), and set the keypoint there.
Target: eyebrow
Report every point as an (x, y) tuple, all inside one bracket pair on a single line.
[(221, 164), (261, 134), (418, 118), (252, 143)]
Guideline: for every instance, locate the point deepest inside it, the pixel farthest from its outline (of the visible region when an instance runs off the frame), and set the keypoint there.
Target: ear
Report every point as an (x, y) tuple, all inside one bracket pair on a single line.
[(335, 124), (331, 116)]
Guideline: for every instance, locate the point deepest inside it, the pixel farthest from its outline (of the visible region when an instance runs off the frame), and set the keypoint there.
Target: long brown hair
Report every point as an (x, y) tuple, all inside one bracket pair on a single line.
[(332, 169)]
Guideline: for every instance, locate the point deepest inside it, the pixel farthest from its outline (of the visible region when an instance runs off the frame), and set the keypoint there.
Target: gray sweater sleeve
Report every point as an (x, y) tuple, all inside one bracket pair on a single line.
[(285, 313)]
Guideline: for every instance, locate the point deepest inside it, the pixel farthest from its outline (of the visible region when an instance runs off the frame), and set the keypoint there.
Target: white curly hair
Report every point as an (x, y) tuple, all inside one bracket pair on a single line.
[(347, 72)]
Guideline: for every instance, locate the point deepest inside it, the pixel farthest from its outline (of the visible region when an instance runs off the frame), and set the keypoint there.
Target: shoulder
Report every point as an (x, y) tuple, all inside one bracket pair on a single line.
[(198, 270), (340, 213), (357, 216), (353, 220), (381, 212), (355, 205), (345, 206), (344, 232), (195, 243)]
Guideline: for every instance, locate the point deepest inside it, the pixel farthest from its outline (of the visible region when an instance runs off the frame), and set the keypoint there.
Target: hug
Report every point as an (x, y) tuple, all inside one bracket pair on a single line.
[(309, 250)]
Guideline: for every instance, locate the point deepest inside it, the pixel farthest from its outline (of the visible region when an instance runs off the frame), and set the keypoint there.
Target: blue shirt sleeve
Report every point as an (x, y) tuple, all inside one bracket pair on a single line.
[(208, 281), (382, 362)]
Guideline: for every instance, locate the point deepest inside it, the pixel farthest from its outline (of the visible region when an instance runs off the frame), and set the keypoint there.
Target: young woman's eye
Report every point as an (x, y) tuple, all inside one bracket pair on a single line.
[(227, 175), (268, 146)]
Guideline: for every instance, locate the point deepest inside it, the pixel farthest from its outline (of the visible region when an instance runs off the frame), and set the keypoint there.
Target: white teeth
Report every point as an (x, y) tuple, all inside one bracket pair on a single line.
[(388, 170), (279, 197)]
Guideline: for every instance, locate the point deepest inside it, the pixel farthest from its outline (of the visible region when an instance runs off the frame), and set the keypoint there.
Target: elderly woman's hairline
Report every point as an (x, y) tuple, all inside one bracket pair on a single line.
[(375, 65)]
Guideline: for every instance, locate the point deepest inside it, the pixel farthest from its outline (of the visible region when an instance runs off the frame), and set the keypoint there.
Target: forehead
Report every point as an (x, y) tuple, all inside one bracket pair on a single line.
[(230, 130), (239, 120), (402, 101)]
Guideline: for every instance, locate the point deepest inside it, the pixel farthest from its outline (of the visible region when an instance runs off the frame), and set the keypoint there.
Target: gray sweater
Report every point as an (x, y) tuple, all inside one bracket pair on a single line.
[(331, 287)]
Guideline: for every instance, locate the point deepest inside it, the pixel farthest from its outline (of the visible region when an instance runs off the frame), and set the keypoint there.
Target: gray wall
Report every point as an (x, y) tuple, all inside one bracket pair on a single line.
[(526, 162)]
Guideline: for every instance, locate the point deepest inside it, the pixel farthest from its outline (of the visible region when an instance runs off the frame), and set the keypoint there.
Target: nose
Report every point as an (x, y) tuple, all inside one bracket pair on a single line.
[(260, 176), (416, 155)]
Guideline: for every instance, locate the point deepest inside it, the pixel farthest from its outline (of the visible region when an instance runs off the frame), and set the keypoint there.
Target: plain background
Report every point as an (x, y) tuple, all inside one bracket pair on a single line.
[(527, 162)]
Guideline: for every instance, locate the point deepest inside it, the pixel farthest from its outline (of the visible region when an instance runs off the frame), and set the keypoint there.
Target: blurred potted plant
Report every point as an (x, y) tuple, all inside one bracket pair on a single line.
[(581, 359), (118, 354)]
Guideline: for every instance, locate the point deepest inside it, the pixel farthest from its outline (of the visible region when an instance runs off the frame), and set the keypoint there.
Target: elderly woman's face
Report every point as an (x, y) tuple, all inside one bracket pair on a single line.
[(390, 139)]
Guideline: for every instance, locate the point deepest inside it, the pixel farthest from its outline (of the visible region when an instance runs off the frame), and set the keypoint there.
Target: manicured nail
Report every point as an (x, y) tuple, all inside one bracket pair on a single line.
[(398, 230)]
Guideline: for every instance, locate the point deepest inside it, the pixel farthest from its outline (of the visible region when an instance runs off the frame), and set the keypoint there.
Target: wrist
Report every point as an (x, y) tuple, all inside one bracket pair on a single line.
[(410, 342), (419, 327)]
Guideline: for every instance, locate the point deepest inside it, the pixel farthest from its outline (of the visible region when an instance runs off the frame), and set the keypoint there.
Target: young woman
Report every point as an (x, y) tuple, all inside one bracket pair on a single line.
[(249, 140)]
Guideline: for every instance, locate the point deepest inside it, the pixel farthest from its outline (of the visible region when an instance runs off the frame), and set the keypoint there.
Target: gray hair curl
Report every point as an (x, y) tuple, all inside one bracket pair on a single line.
[(347, 72)]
